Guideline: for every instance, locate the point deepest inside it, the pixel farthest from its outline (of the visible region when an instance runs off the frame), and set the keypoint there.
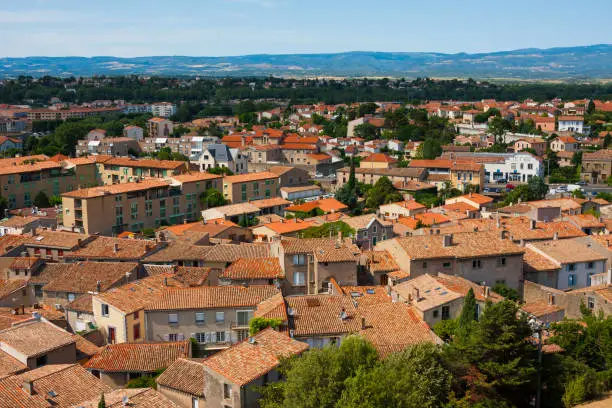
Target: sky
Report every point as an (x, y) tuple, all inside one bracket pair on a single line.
[(128, 28)]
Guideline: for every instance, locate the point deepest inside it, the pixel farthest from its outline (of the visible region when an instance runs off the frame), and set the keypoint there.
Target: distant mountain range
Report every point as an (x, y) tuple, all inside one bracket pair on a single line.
[(571, 63)]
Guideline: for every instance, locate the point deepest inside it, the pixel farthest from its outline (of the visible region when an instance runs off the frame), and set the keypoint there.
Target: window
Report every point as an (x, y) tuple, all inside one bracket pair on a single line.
[(201, 337), (173, 318), (136, 331), (476, 264), (590, 265), (134, 210), (571, 280), (219, 317), (227, 391), (446, 265), (445, 312), (200, 318), (501, 261), (71, 297), (104, 310), (424, 264), (591, 302), (173, 337), (243, 317), (220, 336), (299, 278), (299, 259), (136, 314), (41, 361), (436, 313), (571, 267), (195, 403)]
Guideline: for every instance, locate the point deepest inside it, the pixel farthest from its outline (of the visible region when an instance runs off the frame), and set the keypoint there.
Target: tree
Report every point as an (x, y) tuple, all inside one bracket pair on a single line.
[(498, 127), (3, 206), (469, 313), (221, 171), (55, 200), (383, 192), (431, 149), (509, 293), (257, 324), (102, 403), (607, 140), (319, 377), (347, 194), (212, 198), (41, 200), (367, 131), (498, 348), (577, 158), (414, 377), (591, 107), (537, 189)]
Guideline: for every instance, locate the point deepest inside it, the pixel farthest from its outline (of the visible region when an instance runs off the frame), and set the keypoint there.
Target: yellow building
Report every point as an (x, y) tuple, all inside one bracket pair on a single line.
[(252, 186), (115, 170), (378, 161), (149, 203)]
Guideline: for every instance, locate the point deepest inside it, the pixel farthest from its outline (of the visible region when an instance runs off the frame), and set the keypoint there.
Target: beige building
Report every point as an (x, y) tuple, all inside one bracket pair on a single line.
[(564, 144), (133, 206), (125, 170), (252, 186), (378, 161), (371, 176), (111, 146), (484, 257), (159, 127), (596, 166), (215, 316)]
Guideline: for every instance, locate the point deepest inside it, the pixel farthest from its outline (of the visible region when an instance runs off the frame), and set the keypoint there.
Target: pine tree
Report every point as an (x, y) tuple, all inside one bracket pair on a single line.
[(102, 403), (352, 182), (468, 313)]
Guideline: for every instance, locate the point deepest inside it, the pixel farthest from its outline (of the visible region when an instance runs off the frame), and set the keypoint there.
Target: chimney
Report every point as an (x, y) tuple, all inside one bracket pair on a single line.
[(532, 224), (363, 323), (551, 299), (99, 286), (504, 234), (486, 292), (522, 243), (204, 221), (28, 387), (115, 247), (165, 281), (79, 243), (470, 194), (498, 222), (447, 240), (417, 294), (556, 236)]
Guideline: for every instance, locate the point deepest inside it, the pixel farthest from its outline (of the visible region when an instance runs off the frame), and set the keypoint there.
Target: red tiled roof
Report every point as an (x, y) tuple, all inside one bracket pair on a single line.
[(141, 357), (254, 268)]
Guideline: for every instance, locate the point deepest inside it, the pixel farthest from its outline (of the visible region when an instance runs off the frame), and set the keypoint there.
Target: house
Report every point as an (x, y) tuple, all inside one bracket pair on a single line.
[(231, 212), (564, 144), (474, 200), (299, 193), (54, 245), (310, 263), (378, 161), (536, 143), (219, 155), (67, 281), (572, 123), (317, 207), (159, 127), (215, 316), (133, 132), (95, 134), (109, 249), (371, 176), (79, 314), (275, 205), (441, 297), (252, 271), (133, 397), (393, 211), (231, 375), (483, 257), (596, 166), (111, 146), (283, 228), (290, 176), (369, 230), (459, 173), (252, 186), (19, 225), (36, 343), (183, 383), (588, 223), (576, 262), (57, 385), (117, 364), (378, 265)]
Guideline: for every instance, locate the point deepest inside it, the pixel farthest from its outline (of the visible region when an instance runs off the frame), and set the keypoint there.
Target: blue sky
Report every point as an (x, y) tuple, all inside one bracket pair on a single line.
[(233, 27)]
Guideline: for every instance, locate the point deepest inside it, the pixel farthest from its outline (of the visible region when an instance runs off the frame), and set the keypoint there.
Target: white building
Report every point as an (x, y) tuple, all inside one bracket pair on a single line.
[(518, 167), (133, 132), (163, 109), (572, 124), (220, 155)]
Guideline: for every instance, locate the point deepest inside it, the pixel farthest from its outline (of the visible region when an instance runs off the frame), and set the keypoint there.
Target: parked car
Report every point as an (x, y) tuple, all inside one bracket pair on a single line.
[(509, 186), (582, 183)]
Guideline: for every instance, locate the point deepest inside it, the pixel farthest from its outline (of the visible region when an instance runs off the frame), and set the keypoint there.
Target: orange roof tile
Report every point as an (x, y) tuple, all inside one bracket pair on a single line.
[(379, 158), (254, 268), (138, 358), (242, 178)]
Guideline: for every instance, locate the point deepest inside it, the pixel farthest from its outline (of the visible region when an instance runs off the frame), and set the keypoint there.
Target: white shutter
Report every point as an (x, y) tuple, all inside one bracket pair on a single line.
[(180, 337), (166, 337), (228, 336)]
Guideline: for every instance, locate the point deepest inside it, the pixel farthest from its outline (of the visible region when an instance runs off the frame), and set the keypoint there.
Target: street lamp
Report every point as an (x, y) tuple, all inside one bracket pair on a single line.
[(536, 328)]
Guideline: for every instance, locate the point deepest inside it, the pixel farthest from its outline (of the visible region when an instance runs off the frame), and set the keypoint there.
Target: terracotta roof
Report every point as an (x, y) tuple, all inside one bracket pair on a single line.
[(364, 221), (35, 338), (254, 268), (326, 205), (10, 286), (538, 262), (114, 189), (139, 357), (56, 239), (272, 308), (571, 118), (366, 295), (320, 156), (432, 293), (208, 297), (462, 286), (270, 202), (286, 226), (104, 248), (585, 221), (68, 383), (540, 309), (464, 245), (320, 315), (242, 178), (392, 327), (563, 251), (380, 261), (29, 168), (184, 375), (135, 295), (148, 163), (379, 158), (10, 365), (177, 251), (137, 397), (193, 177), (437, 164), (280, 170), (85, 348), (323, 248), (460, 206), (254, 357), (82, 277), (19, 222), (229, 253), (10, 242), (478, 198), (82, 303), (187, 275), (408, 205)]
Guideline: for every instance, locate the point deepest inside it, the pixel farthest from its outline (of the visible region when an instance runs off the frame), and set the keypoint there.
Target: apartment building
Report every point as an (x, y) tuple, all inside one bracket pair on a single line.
[(252, 186), (149, 203), (24, 177), (596, 166), (133, 132), (369, 230), (372, 175), (520, 167), (163, 109), (572, 123), (484, 257), (112, 146), (215, 316), (63, 114), (220, 155), (564, 144), (124, 170), (159, 127)]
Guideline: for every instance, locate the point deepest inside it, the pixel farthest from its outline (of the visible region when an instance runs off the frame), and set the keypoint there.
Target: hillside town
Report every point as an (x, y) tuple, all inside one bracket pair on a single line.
[(155, 256)]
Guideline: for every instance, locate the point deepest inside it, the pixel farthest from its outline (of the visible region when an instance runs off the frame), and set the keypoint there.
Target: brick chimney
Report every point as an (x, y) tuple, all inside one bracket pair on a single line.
[(551, 299), (115, 247), (28, 387), (363, 323), (532, 224)]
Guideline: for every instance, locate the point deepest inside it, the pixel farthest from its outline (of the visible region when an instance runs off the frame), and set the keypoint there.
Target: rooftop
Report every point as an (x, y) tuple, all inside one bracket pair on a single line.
[(564, 251), (35, 337), (242, 178), (115, 189), (136, 397), (324, 249), (254, 268), (139, 357), (114, 248), (82, 277), (184, 375)]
